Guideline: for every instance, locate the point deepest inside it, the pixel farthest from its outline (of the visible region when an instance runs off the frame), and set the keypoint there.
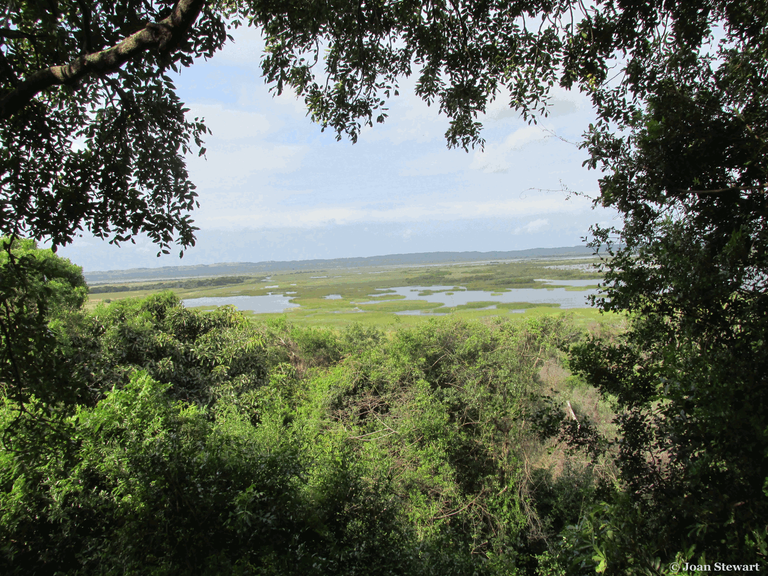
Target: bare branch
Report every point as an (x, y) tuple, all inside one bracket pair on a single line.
[(163, 36), (570, 409)]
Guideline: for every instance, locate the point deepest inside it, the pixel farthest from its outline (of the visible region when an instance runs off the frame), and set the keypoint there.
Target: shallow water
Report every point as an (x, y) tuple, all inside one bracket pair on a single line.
[(448, 296), (259, 304), (573, 283)]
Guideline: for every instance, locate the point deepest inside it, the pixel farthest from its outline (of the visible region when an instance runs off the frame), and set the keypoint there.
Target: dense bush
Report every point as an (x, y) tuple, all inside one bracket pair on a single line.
[(437, 412), (160, 440), (201, 474)]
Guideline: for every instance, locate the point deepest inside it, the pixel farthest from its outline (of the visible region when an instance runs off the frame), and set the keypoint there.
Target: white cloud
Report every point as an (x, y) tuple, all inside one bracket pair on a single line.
[(257, 94), (533, 226), (563, 107), (409, 119), (229, 166), (443, 162), (523, 136), (264, 211), (495, 157), (246, 50), (229, 124), (564, 102), (500, 109)]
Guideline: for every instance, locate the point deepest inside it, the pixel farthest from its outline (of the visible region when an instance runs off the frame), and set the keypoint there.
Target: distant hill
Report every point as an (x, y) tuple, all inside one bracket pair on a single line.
[(257, 268)]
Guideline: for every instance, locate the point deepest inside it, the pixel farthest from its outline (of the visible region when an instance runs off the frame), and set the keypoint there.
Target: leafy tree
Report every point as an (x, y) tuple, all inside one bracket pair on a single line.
[(93, 134), (689, 176), (691, 373), (203, 357), (37, 289)]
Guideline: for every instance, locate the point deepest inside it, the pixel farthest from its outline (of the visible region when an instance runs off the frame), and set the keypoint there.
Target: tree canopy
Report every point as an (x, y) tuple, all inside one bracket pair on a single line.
[(36, 286), (94, 136)]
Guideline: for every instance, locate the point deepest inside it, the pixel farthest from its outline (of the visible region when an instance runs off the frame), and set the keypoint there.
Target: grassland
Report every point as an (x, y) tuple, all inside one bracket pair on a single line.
[(337, 297)]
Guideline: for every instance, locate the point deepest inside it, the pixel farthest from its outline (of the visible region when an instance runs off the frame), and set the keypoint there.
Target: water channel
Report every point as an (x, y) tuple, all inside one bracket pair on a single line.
[(446, 295)]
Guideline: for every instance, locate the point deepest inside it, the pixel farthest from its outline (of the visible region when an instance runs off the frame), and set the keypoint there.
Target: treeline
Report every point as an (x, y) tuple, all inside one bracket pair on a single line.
[(179, 284)]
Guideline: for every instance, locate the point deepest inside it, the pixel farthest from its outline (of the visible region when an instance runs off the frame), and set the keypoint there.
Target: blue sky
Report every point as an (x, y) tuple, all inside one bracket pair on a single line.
[(274, 187)]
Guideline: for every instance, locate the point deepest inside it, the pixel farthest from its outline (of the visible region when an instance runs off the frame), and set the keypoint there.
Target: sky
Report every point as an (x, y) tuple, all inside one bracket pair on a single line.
[(273, 186)]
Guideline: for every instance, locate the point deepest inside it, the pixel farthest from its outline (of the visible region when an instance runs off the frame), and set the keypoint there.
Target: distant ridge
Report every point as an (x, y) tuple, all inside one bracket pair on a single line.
[(239, 268)]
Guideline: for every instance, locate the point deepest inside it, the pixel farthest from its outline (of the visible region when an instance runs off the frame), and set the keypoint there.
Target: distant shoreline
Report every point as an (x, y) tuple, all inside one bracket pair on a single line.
[(248, 268)]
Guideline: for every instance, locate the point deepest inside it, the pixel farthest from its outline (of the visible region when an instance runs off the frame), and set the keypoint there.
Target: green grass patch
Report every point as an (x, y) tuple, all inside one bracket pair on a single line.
[(474, 305), (400, 306), (524, 305), (387, 297)]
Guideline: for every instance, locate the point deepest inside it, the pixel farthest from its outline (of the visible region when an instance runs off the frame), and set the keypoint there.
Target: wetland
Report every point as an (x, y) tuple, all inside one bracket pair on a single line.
[(381, 295)]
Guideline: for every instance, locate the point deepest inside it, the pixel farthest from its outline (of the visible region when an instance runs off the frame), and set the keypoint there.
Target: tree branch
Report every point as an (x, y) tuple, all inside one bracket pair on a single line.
[(8, 33), (721, 190), (163, 36), (85, 10), (7, 71)]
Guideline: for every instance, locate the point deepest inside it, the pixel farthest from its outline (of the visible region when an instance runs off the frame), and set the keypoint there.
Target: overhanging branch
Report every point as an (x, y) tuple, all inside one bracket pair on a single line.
[(721, 190), (163, 36)]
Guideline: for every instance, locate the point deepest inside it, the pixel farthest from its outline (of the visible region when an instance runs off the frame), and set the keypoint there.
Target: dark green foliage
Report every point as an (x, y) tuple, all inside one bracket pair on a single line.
[(431, 277), (36, 287), (93, 140), (689, 177), (202, 355), (563, 500), (318, 346)]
